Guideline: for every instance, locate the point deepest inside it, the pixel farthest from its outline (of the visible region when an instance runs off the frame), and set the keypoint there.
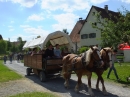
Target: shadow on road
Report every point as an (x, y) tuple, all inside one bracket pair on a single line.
[(57, 85)]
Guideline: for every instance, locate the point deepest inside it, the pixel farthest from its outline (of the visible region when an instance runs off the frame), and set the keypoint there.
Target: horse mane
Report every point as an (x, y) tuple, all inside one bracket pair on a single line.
[(89, 53), (103, 53), (108, 49)]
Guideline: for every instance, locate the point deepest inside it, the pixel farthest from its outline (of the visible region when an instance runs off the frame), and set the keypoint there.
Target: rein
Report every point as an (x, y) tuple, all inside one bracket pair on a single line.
[(83, 62), (97, 61)]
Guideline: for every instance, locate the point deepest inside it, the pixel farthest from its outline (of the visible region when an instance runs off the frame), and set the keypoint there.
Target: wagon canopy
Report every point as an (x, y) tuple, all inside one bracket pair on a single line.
[(57, 37)]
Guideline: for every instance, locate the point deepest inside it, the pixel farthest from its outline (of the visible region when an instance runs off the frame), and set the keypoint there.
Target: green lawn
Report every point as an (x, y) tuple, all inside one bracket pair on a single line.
[(6, 74), (35, 94), (123, 72)]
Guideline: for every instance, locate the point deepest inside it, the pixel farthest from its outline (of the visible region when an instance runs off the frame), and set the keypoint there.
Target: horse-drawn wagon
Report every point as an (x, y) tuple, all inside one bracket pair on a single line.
[(37, 63)]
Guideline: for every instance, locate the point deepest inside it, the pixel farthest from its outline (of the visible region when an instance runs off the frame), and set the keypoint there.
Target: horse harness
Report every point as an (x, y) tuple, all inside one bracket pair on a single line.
[(74, 62)]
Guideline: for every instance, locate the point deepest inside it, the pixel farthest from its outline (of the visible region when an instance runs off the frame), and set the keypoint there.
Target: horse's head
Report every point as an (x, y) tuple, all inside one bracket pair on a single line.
[(93, 55), (106, 56), (96, 56)]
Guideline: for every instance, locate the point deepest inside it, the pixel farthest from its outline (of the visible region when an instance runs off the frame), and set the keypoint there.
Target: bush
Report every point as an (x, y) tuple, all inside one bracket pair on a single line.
[(83, 49)]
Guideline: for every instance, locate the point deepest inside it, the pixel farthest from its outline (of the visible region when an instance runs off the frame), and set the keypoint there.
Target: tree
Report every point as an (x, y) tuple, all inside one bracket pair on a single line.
[(19, 39), (14, 48), (38, 37), (8, 45), (1, 38), (65, 31), (2, 47), (114, 32), (20, 46)]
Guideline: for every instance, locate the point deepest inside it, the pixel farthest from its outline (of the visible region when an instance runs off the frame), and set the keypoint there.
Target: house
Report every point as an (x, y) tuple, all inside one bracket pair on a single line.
[(88, 34), (74, 36)]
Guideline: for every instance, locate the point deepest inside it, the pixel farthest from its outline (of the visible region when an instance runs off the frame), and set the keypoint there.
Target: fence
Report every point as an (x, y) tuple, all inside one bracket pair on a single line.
[(120, 57)]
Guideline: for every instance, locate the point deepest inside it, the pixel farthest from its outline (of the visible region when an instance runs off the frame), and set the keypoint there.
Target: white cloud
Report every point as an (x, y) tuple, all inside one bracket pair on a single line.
[(126, 1), (65, 21), (1, 0), (11, 22), (10, 30), (98, 1), (10, 26), (35, 17), (26, 3), (24, 37), (69, 5), (34, 31), (65, 5)]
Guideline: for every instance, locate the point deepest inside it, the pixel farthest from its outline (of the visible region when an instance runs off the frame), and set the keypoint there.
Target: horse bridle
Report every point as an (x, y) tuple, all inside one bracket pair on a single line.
[(107, 54), (95, 60)]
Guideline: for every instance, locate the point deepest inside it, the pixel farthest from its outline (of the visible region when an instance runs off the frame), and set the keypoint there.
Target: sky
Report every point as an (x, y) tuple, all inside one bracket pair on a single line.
[(31, 18)]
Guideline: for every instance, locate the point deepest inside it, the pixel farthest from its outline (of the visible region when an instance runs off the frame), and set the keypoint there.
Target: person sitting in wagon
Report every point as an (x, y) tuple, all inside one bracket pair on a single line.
[(34, 51), (49, 52), (57, 52)]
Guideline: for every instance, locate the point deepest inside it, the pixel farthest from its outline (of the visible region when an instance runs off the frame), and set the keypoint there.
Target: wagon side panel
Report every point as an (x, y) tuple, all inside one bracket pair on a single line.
[(39, 62), (25, 60), (29, 62), (34, 61), (54, 65)]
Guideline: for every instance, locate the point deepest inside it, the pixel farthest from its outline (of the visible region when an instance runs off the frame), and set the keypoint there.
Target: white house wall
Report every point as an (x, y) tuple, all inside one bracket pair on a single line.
[(74, 46), (87, 29)]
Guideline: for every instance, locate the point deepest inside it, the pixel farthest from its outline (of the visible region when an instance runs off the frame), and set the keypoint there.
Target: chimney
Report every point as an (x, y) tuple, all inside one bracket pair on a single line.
[(80, 19), (106, 8)]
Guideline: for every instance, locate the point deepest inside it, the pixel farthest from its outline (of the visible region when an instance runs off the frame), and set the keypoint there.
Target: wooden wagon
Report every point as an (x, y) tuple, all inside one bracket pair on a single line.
[(38, 64), (41, 66)]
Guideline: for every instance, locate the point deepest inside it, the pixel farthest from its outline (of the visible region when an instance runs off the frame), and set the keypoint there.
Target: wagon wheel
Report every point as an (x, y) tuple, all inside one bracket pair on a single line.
[(28, 71), (42, 76)]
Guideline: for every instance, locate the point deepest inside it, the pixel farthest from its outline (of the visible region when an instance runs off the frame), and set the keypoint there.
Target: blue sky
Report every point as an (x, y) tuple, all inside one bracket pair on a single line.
[(31, 18)]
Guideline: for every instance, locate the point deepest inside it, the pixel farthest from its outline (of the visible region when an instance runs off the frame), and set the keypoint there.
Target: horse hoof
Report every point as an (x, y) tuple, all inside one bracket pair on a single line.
[(66, 87), (76, 90), (98, 89), (105, 93)]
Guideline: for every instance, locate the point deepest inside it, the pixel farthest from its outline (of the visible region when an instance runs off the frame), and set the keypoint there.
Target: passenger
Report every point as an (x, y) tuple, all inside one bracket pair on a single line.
[(41, 52), (49, 52), (34, 51), (57, 52), (29, 51)]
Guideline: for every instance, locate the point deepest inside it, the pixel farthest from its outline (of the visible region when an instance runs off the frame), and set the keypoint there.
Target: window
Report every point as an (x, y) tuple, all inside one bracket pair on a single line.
[(84, 36), (92, 35)]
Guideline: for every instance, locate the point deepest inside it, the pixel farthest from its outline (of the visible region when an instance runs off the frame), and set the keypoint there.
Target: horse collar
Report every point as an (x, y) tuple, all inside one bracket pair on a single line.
[(83, 59)]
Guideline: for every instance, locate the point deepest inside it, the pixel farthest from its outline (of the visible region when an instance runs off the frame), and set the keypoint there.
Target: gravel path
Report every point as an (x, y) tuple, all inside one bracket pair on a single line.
[(55, 85)]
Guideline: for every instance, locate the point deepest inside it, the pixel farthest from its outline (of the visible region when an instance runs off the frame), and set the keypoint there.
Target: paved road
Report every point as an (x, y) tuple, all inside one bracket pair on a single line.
[(56, 84)]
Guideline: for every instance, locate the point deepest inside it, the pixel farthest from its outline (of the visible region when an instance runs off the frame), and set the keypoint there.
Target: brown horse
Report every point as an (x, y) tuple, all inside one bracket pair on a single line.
[(106, 57), (72, 62)]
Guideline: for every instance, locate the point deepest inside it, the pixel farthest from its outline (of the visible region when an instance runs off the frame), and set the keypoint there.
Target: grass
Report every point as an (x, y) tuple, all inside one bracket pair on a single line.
[(35, 94), (123, 72), (6, 74)]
